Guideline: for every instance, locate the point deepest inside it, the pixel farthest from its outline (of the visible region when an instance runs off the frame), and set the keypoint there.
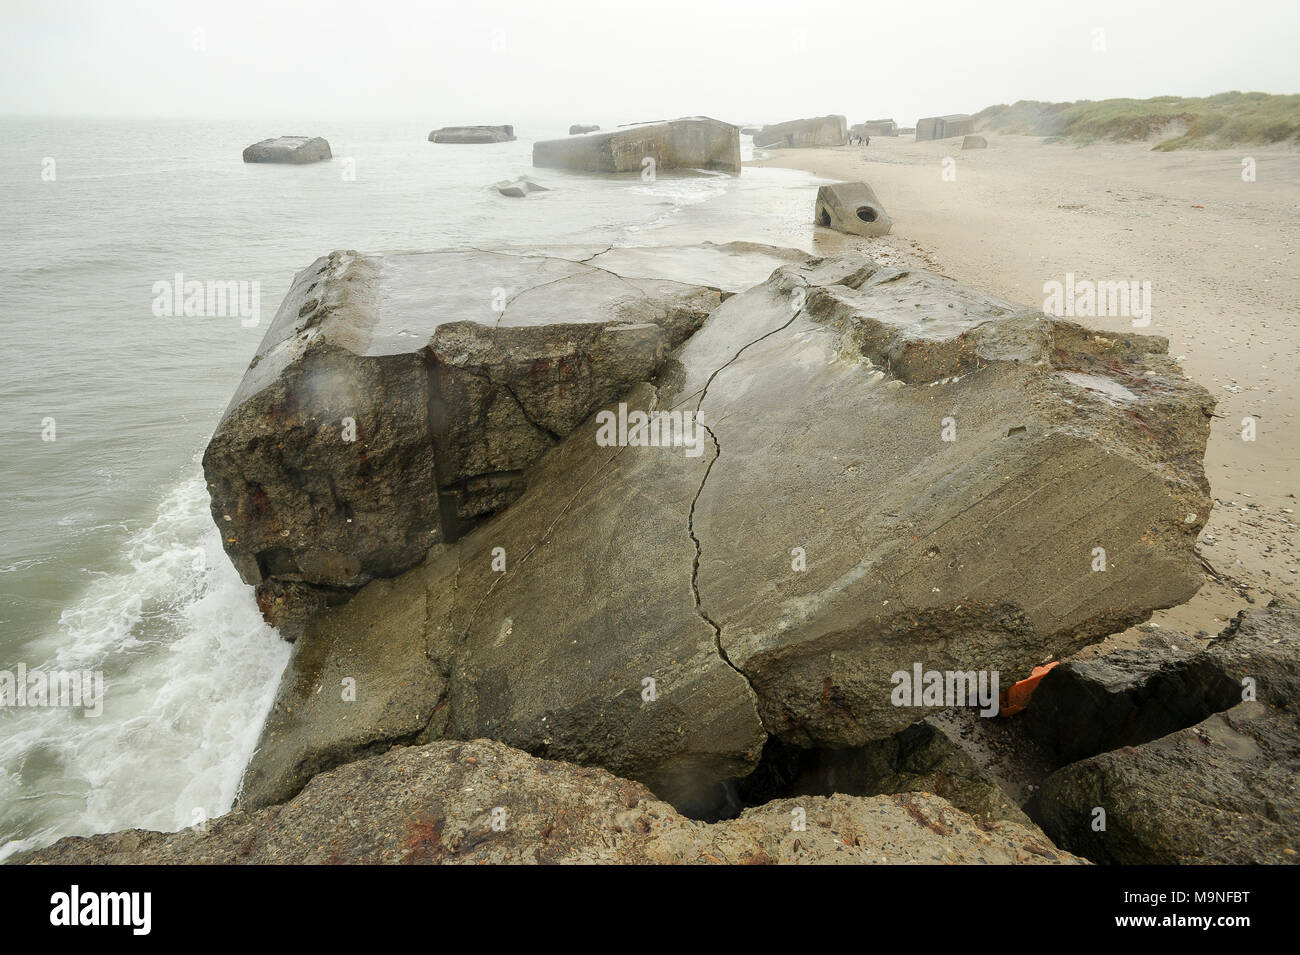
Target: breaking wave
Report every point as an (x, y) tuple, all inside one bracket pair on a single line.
[(190, 671)]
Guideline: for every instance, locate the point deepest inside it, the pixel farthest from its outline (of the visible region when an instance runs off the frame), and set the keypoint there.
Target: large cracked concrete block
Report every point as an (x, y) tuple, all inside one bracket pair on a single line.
[(289, 149), (830, 130), (949, 507), (894, 470), (851, 207), (395, 400), (696, 142)]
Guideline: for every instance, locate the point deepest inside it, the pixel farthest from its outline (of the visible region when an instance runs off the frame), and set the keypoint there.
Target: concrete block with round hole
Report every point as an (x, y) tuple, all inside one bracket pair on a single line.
[(853, 208)]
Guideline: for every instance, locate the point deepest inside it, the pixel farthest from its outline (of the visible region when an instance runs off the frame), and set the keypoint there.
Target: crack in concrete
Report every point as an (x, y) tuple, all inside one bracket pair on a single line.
[(690, 521), (695, 564)]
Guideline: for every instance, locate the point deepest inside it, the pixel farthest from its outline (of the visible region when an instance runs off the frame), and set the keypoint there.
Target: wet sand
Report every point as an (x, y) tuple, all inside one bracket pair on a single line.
[(1223, 259)]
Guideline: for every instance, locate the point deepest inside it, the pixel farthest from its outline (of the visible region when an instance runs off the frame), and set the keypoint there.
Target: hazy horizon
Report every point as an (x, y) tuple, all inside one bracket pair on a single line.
[(584, 61)]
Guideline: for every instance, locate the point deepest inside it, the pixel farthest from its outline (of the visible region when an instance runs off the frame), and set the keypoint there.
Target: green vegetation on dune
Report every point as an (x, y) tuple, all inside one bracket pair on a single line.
[(1210, 122)]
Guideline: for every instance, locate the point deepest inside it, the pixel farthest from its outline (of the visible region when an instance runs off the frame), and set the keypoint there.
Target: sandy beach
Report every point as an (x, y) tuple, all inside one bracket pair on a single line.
[(1220, 254)]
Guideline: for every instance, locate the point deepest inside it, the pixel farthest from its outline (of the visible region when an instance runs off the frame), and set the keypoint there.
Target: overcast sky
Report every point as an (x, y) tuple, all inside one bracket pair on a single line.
[(610, 61)]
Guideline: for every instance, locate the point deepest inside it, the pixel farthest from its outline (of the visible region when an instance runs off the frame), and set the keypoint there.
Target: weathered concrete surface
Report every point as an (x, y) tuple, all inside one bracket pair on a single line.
[(797, 133), (1132, 696), (473, 134), (435, 804), (974, 142), (395, 400), (1262, 646), (290, 149), (969, 554), (629, 564), (944, 127), (1225, 790), (880, 127), (519, 187), (577, 129), (851, 207), (696, 142), (1126, 697)]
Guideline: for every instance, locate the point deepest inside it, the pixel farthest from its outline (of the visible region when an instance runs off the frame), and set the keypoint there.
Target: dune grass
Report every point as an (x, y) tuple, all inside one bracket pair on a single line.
[(1210, 122)]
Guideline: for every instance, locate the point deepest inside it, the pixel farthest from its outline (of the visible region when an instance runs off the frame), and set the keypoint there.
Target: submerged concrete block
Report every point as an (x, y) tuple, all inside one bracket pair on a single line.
[(290, 149), (830, 130), (853, 208), (695, 142), (519, 187), (473, 134)]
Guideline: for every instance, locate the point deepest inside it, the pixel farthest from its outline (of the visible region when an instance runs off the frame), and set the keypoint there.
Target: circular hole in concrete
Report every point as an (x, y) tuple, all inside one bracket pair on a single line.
[(866, 213)]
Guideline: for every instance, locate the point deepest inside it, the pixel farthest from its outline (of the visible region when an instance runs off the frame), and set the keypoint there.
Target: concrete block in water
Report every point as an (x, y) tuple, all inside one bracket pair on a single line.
[(473, 134), (695, 142), (290, 149)]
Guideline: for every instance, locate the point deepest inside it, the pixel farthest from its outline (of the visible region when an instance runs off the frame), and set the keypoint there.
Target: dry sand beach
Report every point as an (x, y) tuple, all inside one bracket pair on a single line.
[(1221, 254)]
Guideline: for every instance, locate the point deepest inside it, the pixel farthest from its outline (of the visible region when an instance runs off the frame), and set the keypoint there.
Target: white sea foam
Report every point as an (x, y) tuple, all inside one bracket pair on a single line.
[(190, 671)]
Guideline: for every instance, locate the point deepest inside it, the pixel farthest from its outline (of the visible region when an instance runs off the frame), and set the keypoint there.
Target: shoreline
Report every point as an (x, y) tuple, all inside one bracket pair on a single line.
[(1222, 264)]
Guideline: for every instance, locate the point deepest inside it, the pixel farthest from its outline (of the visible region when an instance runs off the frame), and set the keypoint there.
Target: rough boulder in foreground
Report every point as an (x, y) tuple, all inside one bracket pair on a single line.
[(1217, 789), (290, 149), (482, 802), (697, 142), (891, 471)]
